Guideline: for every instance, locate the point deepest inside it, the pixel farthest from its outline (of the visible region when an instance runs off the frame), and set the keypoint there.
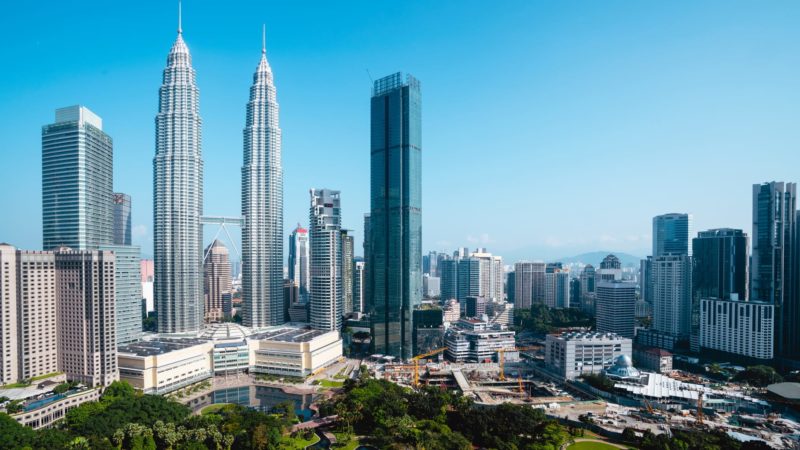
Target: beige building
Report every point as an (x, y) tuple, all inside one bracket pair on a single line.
[(87, 320), (9, 359), (51, 412), (216, 280), (37, 314), (164, 365)]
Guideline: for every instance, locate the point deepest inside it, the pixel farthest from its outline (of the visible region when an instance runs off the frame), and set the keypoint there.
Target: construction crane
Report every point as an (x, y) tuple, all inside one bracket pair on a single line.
[(700, 408), (423, 356), (501, 357), (519, 380), (648, 406)]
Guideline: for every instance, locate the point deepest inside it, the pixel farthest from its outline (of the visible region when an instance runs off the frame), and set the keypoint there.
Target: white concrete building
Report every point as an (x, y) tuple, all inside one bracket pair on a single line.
[(672, 294), (615, 305), (572, 354), (476, 340), (736, 327)]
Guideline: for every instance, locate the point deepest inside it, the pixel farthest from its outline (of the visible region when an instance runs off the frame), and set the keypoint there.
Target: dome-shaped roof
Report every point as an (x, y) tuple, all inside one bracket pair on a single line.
[(225, 330), (624, 361), (623, 368)]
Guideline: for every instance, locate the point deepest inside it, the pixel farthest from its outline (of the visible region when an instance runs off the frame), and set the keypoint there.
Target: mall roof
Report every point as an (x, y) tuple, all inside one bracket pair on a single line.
[(787, 390)]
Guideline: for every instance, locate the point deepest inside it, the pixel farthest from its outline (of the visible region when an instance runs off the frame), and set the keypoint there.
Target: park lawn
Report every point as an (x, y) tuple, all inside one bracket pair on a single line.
[(352, 444), (591, 446), (211, 409), (331, 383), (297, 443)]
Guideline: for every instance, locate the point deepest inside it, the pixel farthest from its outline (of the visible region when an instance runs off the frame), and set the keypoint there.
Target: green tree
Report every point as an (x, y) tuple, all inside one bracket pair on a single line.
[(759, 376)]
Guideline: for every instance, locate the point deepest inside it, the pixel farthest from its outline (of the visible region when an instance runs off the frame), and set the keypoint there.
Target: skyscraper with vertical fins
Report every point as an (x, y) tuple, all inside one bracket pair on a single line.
[(178, 197), (262, 205)]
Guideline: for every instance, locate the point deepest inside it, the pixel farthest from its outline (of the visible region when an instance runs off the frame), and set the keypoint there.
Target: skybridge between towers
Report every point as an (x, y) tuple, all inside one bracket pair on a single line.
[(224, 222)]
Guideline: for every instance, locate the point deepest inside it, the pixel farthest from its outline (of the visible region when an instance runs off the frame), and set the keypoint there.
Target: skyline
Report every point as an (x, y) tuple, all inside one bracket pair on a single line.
[(715, 61)]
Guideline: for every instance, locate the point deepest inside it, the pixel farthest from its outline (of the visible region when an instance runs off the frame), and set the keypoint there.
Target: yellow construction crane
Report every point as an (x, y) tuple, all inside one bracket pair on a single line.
[(648, 406), (700, 408), (423, 356), (501, 359)]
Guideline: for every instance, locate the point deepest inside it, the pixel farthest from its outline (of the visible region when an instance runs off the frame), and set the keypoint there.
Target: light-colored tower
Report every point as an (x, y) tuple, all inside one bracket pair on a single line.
[(616, 307), (262, 204), (87, 341), (9, 345), (672, 295), (77, 180), (358, 286), (327, 303), (128, 291), (298, 261), (178, 197), (216, 280), (347, 270)]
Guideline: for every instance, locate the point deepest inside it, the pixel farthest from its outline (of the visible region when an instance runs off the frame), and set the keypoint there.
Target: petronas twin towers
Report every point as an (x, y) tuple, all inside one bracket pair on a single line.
[(178, 200)]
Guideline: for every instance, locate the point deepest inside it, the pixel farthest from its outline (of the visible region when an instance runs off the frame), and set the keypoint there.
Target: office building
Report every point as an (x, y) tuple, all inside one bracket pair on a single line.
[(127, 291), (738, 330), (556, 288), (367, 300), (469, 279), (615, 303), (646, 279), (587, 279), (610, 269), (77, 181), (570, 355), (451, 310), (719, 270), (396, 212), (448, 280), (430, 264), (358, 285), (672, 298), (529, 283), (347, 271), (431, 286), (510, 287), (428, 330), (178, 197), (122, 219), (9, 351), (216, 280), (475, 307), (325, 237), (474, 340), (87, 339), (773, 270), (671, 235), (491, 275), (262, 204), (298, 260), (654, 359)]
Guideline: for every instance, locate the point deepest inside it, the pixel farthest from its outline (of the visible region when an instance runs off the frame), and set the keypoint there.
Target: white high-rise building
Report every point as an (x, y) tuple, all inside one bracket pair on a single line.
[(327, 301), (298, 261), (262, 204), (672, 294), (556, 288), (744, 328), (178, 197), (528, 283)]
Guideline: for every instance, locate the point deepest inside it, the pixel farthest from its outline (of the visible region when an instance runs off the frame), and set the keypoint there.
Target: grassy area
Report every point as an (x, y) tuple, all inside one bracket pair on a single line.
[(211, 409), (342, 444), (591, 446), (298, 442), (331, 383), (47, 375)]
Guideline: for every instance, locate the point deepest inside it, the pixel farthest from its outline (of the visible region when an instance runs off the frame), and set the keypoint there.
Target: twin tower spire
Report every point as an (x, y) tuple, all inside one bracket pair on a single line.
[(178, 199)]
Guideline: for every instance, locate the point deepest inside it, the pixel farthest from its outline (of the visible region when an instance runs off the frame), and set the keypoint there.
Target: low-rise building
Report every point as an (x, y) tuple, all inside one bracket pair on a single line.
[(573, 354), (451, 311), (44, 412), (164, 365), (653, 359), (293, 351), (476, 340)]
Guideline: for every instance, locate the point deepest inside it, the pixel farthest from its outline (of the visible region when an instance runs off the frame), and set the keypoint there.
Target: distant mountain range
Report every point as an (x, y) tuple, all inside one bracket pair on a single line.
[(594, 258)]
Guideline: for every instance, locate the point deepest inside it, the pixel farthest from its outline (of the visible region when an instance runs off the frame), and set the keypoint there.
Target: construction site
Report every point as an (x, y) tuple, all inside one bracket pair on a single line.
[(654, 402)]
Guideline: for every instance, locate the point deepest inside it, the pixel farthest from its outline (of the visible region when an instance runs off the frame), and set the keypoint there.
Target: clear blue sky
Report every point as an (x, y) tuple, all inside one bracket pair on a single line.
[(549, 127)]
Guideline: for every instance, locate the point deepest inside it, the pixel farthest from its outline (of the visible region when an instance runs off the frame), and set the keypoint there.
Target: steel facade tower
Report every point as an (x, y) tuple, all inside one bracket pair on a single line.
[(262, 204), (396, 212), (325, 236), (178, 197), (298, 261)]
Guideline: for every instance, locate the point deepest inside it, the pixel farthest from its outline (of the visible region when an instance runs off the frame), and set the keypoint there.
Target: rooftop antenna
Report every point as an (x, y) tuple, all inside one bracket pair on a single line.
[(180, 29), (263, 39)]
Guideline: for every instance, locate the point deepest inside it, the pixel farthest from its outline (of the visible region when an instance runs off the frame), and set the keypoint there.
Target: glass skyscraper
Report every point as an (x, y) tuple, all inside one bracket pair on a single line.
[(178, 197), (127, 292), (773, 277), (671, 234), (395, 213), (77, 181), (122, 219), (262, 205), (298, 261)]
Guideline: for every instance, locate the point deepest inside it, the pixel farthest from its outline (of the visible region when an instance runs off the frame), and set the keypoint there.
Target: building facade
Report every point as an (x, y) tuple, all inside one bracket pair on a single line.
[(395, 212), (742, 328), (37, 314), (298, 260), (87, 340), (671, 234), (127, 291), (77, 181), (773, 270), (672, 299), (358, 286), (122, 219), (216, 280), (616, 308), (556, 288), (571, 355), (262, 204), (178, 197), (325, 236), (347, 271), (719, 270), (448, 280)]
